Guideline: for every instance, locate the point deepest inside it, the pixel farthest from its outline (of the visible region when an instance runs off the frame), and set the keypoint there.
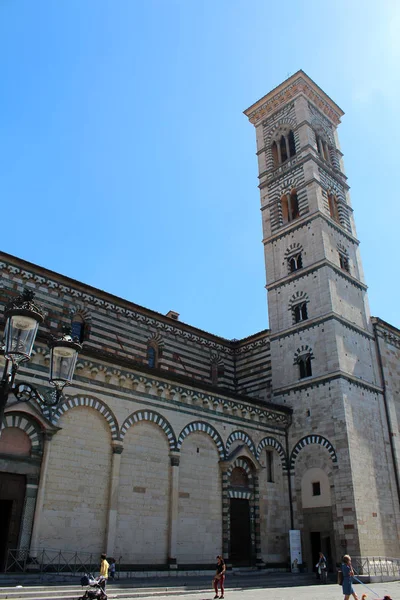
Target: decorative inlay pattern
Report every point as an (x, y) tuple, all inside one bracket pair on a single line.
[(270, 442), (152, 417), (243, 437), (312, 439), (90, 402), (300, 85), (201, 426), (29, 426)]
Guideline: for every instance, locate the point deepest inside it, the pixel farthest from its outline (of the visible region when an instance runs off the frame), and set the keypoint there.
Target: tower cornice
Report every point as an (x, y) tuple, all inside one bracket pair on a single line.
[(311, 269), (296, 85), (308, 218)]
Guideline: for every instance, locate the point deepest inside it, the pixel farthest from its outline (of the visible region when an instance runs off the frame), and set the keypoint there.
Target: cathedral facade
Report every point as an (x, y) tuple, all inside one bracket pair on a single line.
[(174, 445)]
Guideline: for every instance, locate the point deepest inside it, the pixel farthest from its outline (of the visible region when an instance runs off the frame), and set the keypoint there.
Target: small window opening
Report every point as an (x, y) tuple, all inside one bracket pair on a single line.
[(78, 328), (305, 366), (316, 488), (344, 262), (270, 466), (295, 263), (151, 357), (300, 312)]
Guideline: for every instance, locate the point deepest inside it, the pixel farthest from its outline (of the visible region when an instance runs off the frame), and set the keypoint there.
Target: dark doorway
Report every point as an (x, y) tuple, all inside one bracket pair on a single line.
[(240, 532), (315, 540), (12, 496)]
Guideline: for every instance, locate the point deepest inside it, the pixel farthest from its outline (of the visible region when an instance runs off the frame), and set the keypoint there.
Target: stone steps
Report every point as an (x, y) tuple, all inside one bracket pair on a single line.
[(129, 589)]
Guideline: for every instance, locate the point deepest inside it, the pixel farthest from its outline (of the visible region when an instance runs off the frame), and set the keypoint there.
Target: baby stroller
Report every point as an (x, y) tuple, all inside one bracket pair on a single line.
[(94, 590)]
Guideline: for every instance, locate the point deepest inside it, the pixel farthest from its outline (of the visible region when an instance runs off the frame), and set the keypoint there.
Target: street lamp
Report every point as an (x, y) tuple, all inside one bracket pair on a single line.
[(23, 318)]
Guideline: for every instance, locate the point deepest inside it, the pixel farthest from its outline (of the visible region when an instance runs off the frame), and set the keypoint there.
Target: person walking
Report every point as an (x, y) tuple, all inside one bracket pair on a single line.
[(322, 568), (219, 577), (104, 566), (347, 585), (111, 570)]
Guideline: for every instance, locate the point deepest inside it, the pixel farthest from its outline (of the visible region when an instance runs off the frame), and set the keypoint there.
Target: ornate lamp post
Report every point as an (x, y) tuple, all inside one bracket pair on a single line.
[(23, 318)]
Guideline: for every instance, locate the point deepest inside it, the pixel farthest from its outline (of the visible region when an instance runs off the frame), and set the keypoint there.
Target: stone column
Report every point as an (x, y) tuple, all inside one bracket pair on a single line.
[(326, 152), (287, 146), (319, 146), (226, 534), (112, 513), (173, 510), (278, 145), (48, 436)]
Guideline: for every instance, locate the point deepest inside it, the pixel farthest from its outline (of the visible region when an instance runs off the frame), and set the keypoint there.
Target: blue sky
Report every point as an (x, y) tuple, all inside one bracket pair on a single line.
[(126, 161)]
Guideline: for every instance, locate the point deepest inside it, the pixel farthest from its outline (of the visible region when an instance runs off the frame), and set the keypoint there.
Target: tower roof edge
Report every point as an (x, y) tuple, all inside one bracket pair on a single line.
[(296, 84)]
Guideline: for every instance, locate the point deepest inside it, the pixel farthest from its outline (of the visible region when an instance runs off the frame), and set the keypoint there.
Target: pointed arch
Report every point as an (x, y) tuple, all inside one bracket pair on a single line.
[(312, 439), (243, 437), (90, 402), (203, 427), (270, 442), (151, 417), (28, 426)]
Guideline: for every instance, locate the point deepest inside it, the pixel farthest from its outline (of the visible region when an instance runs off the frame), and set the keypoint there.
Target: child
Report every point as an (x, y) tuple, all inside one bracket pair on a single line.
[(112, 569)]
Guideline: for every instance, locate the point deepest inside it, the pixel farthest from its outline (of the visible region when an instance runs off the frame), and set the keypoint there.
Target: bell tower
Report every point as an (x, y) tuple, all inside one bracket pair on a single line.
[(313, 270), (323, 356)]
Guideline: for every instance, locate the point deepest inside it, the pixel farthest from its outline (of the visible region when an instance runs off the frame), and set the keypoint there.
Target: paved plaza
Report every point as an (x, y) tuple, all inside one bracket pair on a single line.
[(285, 587)]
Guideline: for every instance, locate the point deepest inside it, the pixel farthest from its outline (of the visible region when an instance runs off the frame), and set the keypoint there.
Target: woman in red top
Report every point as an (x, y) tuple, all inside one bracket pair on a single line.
[(219, 576)]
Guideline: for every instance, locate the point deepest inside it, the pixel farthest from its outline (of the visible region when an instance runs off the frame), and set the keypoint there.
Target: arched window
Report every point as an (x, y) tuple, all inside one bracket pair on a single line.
[(152, 357), (290, 207), (295, 263), (78, 328), (300, 312), (323, 148), (333, 207), (283, 148), (304, 362), (217, 369), (344, 262)]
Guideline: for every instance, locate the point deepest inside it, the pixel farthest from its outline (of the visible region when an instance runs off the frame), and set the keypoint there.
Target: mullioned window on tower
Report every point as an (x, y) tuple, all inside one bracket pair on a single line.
[(290, 207), (283, 148)]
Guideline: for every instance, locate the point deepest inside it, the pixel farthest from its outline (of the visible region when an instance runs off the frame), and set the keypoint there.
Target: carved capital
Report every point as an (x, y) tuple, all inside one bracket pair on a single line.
[(117, 447)]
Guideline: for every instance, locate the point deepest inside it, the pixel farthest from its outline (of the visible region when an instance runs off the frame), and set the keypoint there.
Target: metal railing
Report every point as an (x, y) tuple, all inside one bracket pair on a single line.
[(376, 566), (49, 560)]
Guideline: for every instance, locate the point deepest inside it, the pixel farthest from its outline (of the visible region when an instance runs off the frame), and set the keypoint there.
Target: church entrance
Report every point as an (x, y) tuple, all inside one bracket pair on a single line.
[(12, 496), (240, 528)]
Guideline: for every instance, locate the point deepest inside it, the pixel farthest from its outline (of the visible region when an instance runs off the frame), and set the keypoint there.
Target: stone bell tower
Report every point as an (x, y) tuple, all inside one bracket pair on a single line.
[(323, 355)]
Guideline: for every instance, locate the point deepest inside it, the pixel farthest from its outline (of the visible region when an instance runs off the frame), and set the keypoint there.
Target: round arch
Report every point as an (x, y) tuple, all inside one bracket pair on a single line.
[(89, 401), (270, 442), (312, 439), (203, 427), (243, 437), (28, 426), (151, 417)]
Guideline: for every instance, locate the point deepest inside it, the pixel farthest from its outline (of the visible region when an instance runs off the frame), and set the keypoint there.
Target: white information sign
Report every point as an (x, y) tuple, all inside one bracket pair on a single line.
[(295, 548)]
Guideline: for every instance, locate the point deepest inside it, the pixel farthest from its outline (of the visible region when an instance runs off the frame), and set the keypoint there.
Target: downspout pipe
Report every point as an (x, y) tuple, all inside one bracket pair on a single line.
[(289, 480)]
